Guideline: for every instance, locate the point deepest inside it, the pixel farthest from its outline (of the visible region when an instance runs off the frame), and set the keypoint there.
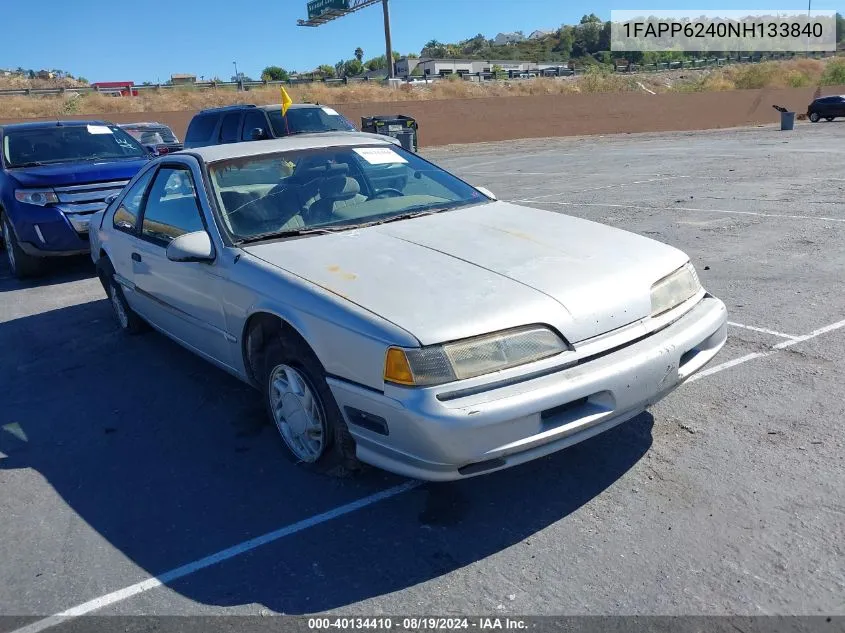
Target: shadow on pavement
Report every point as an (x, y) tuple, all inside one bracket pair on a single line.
[(170, 460), (57, 270)]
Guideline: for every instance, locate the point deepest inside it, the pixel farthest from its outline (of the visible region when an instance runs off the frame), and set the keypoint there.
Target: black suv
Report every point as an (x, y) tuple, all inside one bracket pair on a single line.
[(233, 124), (826, 108)]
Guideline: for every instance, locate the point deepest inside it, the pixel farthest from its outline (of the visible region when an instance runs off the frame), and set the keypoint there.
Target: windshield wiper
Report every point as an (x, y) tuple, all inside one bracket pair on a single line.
[(290, 233), (412, 213)]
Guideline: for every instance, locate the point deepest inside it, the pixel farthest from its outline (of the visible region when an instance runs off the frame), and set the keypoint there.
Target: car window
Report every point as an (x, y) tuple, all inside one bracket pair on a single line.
[(305, 120), (201, 128), (338, 188), (172, 208), (253, 120), (126, 215), (229, 127)]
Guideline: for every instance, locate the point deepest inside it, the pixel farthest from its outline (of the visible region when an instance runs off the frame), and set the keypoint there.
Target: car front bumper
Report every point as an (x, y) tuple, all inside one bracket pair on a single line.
[(49, 232), (414, 433)]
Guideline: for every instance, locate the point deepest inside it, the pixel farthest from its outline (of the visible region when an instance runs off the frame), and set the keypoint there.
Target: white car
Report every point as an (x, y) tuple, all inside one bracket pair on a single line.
[(392, 314)]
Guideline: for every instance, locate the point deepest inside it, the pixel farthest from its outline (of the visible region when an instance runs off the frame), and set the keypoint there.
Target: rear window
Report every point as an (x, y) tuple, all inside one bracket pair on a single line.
[(201, 128), (31, 147), (152, 135), (305, 120)]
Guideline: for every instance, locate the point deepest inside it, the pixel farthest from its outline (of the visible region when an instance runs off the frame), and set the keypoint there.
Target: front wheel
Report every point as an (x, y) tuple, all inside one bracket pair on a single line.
[(302, 408), (21, 264), (127, 319), (814, 117)]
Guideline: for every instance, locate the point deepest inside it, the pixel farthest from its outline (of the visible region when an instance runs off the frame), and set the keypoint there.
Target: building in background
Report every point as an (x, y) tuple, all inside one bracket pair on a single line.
[(503, 39), (183, 79), (538, 35), (432, 68)]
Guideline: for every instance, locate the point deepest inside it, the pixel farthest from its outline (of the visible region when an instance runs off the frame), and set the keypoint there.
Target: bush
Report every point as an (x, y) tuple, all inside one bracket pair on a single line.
[(834, 73)]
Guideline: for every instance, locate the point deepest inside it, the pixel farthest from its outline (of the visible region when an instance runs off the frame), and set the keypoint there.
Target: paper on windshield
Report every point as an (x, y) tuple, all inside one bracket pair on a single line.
[(330, 111), (99, 129), (379, 155)]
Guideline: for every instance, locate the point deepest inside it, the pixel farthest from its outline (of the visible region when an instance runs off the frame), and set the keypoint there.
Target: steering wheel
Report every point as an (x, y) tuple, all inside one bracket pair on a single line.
[(387, 192)]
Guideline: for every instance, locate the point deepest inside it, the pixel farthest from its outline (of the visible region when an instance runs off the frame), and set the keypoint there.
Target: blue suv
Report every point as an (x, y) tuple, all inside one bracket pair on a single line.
[(53, 176)]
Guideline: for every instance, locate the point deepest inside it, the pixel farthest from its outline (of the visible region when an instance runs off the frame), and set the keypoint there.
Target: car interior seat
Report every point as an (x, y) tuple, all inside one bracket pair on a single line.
[(336, 193)]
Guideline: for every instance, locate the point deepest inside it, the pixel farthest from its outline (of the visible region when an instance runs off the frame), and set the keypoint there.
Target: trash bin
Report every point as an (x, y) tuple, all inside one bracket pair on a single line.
[(787, 120), (401, 127)]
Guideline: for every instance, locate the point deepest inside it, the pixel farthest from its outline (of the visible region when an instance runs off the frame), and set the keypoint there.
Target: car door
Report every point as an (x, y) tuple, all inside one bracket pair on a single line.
[(184, 296), (122, 240), (838, 107)]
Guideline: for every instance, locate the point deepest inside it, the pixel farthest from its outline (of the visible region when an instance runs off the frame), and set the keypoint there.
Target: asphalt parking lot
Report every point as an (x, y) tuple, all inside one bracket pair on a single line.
[(126, 462)]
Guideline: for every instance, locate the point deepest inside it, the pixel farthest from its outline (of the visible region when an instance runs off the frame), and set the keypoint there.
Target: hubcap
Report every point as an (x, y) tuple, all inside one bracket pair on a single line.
[(119, 310), (297, 412), (7, 240)]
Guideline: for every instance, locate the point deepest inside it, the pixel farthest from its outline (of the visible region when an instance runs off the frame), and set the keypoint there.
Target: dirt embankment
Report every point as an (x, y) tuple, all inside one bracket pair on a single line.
[(507, 118)]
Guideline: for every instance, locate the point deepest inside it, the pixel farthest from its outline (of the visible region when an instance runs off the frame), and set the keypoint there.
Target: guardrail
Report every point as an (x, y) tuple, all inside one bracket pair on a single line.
[(561, 71)]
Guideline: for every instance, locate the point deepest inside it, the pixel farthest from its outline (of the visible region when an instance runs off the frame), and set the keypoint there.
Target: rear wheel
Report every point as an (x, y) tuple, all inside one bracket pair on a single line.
[(21, 264), (814, 117), (302, 408)]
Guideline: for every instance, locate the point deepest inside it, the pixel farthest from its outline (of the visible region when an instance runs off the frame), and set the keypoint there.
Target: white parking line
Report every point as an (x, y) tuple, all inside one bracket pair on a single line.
[(213, 559), (762, 329), (776, 348), (246, 546), (634, 206), (621, 184)]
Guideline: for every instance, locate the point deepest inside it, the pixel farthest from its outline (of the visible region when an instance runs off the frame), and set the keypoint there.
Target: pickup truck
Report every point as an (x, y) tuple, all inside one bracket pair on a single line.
[(53, 176)]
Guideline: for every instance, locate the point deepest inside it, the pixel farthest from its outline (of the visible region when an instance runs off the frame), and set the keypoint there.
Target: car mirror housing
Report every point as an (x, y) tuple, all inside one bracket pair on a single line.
[(487, 192), (191, 247)]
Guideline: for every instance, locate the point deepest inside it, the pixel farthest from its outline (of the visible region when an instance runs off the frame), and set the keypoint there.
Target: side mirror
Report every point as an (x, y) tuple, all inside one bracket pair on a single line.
[(487, 192), (257, 134), (152, 149), (191, 247)]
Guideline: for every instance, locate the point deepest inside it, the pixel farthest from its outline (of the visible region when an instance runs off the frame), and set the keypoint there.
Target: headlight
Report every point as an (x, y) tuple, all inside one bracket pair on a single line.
[(438, 364), (674, 289), (40, 197)]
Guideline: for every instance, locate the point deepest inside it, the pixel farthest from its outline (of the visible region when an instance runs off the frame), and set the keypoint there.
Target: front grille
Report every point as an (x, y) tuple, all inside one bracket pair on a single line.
[(79, 201)]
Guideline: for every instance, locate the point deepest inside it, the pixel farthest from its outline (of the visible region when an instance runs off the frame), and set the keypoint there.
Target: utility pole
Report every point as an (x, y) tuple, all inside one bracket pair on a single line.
[(237, 76), (388, 44)]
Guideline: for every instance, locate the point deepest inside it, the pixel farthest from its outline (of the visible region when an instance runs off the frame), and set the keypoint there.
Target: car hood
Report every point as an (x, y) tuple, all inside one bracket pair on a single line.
[(485, 268), (77, 173)]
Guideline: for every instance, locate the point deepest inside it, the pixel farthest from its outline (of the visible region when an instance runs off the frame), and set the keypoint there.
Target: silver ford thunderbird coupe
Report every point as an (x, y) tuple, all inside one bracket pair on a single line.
[(391, 313)]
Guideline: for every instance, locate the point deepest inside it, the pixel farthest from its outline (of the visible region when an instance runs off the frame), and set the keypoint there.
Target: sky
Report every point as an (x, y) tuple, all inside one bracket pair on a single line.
[(116, 40)]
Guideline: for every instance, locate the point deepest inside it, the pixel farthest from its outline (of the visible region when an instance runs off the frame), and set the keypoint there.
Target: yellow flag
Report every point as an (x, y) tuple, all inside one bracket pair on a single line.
[(286, 101)]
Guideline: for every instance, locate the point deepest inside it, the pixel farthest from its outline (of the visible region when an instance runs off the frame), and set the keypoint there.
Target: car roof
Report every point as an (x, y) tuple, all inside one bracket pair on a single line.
[(248, 106), (34, 125), (214, 153), (142, 124)]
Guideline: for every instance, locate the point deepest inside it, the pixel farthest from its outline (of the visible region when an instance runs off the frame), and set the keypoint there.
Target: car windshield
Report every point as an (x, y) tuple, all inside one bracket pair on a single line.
[(330, 189), (152, 135), (70, 143), (305, 120)]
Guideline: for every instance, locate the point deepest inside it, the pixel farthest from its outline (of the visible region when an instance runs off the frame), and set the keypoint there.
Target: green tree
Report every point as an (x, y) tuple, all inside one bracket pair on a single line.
[(353, 68), (274, 73), (82, 80), (327, 71), (840, 28), (359, 53)]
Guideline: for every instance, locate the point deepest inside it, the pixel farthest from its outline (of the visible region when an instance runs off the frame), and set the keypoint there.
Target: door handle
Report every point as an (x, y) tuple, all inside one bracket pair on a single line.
[(136, 257)]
